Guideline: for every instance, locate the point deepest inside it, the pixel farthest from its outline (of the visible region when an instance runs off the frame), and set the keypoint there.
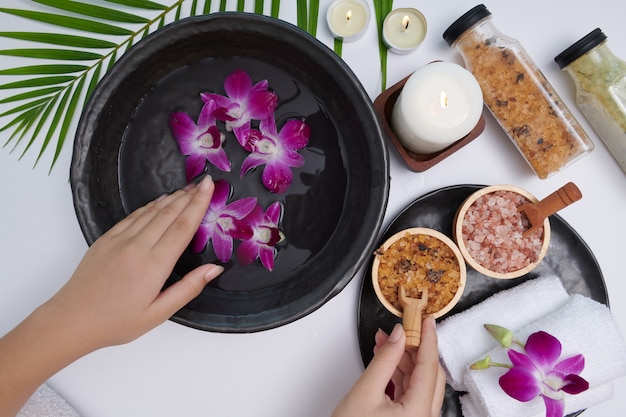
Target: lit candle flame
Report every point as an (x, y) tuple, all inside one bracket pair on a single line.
[(405, 23), (349, 15), (443, 100)]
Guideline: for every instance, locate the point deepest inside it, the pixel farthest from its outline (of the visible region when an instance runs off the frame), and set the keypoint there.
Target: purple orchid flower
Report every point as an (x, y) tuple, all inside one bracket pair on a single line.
[(199, 142), (265, 236), (223, 222), (245, 102), (540, 373), (278, 151)]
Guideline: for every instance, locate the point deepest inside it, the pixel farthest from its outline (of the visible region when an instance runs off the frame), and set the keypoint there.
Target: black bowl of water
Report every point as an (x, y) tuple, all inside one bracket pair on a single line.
[(125, 155)]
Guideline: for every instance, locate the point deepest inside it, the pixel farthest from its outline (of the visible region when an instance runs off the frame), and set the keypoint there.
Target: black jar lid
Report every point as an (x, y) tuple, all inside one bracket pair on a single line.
[(469, 19), (584, 45)]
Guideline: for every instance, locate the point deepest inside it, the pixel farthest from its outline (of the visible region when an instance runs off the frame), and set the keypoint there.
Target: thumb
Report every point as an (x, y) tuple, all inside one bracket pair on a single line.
[(380, 370), (180, 293)]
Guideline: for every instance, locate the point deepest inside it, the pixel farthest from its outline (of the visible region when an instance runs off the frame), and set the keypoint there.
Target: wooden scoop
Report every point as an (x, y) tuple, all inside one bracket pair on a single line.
[(561, 198), (412, 309)]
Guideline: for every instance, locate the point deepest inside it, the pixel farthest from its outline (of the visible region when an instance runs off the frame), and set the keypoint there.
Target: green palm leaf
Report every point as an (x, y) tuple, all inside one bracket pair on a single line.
[(44, 69), (60, 54), (47, 97), (70, 22), (93, 11), (60, 39)]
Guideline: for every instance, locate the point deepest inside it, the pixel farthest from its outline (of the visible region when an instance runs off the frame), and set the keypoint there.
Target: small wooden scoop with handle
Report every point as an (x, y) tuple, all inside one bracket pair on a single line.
[(412, 309), (561, 198)]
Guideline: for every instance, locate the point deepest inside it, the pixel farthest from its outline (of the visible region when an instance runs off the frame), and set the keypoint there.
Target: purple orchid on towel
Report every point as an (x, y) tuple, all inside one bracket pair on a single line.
[(199, 142), (265, 236), (278, 151), (245, 102), (538, 370), (223, 222)]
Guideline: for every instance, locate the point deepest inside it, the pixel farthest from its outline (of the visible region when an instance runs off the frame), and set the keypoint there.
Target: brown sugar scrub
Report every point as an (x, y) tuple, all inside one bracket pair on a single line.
[(489, 230), (518, 95), (418, 259)]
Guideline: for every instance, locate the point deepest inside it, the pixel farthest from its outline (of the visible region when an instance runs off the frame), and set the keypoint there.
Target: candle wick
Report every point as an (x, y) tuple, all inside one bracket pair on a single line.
[(405, 23), (349, 15)]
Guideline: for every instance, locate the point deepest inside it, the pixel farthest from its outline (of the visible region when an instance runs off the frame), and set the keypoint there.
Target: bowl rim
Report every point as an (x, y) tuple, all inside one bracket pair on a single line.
[(457, 232), (420, 231)]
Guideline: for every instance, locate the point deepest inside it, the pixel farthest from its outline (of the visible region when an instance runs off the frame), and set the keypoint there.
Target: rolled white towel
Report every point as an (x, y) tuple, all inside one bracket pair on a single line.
[(573, 403), (582, 326), (462, 337)]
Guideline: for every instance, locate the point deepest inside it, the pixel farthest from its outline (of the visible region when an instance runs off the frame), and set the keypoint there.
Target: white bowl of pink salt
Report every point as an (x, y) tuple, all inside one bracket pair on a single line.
[(489, 231)]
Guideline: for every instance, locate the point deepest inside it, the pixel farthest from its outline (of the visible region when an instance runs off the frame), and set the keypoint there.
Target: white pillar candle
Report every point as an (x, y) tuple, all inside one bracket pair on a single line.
[(404, 30), (439, 104), (348, 19)]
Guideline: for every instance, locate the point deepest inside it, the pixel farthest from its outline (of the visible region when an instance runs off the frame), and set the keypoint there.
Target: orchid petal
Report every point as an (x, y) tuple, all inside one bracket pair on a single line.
[(266, 255), (242, 133), (252, 161), (267, 126), (574, 384), (292, 159), (520, 359), (554, 408), (200, 239), (226, 113), (222, 246), (240, 208), (238, 85), (261, 104), (572, 365), (221, 192), (261, 85), (544, 349), (247, 252), (184, 130), (219, 159), (519, 383), (277, 177), (220, 100), (206, 117), (194, 166), (295, 134), (240, 230), (274, 212)]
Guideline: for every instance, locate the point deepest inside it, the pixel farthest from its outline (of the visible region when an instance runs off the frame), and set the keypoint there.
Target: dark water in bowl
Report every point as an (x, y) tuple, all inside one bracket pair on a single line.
[(150, 164)]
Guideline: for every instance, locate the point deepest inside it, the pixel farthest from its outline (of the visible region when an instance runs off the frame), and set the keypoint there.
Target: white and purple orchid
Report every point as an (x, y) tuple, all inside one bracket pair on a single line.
[(244, 105), (278, 151), (223, 222), (199, 142), (265, 236), (538, 370), (244, 102)]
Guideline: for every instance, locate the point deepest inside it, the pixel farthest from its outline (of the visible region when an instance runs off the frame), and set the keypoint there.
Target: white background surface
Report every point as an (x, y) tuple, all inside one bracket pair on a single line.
[(304, 368)]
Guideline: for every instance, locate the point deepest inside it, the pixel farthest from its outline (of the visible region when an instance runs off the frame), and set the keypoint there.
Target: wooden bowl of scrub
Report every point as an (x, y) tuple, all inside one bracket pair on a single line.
[(417, 259)]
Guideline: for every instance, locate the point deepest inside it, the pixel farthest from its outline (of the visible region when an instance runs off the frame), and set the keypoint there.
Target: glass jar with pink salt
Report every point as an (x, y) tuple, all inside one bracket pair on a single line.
[(518, 95)]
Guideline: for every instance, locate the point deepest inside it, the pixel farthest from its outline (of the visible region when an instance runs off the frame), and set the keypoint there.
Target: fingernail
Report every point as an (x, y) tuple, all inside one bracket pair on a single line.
[(205, 184), (212, 272), (161, 197), (396, 333)]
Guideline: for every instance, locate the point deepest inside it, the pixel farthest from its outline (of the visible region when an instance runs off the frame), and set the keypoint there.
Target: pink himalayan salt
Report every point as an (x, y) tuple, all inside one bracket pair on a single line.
[(492, 232)]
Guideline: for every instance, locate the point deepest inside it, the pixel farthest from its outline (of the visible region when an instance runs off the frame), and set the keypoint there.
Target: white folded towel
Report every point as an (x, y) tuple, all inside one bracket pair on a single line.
[(462, 337), (582, 326), (573, 403)]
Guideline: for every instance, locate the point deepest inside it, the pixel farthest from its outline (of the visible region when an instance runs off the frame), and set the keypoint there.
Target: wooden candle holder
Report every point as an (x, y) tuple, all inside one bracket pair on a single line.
[(383, 105)]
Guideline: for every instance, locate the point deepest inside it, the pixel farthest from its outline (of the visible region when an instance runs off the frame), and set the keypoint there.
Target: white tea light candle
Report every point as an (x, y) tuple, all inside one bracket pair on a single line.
[(404, 30), (439, 104), (348, 19)]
